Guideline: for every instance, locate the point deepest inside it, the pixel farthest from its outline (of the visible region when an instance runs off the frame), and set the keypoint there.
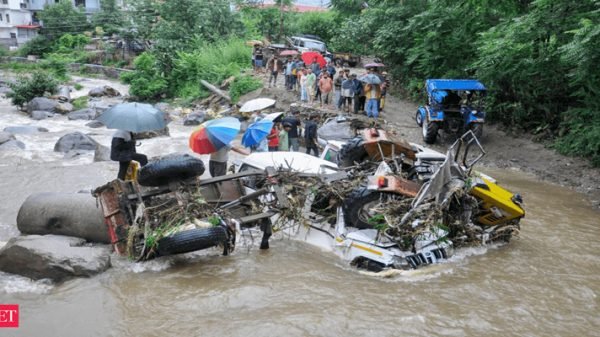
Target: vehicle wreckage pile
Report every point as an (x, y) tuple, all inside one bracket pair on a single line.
[(388, 204)]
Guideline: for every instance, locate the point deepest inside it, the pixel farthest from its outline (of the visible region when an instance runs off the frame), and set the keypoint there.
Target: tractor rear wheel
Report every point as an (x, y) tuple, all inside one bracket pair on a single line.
[(430, 131)]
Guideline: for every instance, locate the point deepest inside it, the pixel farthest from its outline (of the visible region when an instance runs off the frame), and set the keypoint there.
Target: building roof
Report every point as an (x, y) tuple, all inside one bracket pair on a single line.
[(28, 26)]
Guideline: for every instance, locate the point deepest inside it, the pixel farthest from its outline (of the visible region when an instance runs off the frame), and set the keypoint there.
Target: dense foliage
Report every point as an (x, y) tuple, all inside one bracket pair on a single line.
[(27, 88), (62, 18), (110, 17), (539, 58)]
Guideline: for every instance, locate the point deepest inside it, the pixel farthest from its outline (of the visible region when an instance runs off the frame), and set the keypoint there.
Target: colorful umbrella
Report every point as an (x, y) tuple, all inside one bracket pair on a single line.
[(309, 56), (134, 117), (288, 53), (256, 132), (214, 135), (374, 65)]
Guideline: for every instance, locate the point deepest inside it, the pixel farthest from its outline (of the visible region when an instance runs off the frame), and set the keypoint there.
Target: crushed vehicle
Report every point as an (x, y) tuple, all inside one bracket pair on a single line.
[(169, 210), (378, 218), (371, 213), (454, 106)]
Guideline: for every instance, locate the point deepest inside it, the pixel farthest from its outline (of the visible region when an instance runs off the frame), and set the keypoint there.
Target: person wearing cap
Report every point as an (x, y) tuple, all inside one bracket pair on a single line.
[(284, 141)]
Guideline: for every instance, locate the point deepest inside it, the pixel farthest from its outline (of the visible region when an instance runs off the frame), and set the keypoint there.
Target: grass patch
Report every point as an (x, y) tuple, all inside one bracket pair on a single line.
[(243, 85), (78, 86), (80, 103)]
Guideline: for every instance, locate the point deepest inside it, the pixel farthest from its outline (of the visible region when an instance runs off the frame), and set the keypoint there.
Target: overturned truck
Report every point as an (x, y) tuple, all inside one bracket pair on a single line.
[(390, 209)]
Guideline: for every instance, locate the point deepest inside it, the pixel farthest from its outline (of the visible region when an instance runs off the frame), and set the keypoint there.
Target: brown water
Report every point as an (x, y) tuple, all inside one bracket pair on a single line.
[(544, 284)]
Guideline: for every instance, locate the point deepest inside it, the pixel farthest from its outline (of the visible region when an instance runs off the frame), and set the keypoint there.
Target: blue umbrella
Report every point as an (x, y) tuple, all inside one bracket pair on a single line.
[(256, 132), (134, 117), (370, 79)]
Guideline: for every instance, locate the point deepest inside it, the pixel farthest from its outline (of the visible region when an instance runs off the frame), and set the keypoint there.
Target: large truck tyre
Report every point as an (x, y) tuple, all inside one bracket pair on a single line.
[(70, 214), (357, 207), (170, 168), (352, 152), (430, 131), (192, 240)]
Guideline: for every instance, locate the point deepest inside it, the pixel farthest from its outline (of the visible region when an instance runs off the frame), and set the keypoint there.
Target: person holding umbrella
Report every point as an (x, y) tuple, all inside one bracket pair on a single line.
[(214, 138), (372, 93), (128, 118), (122, 149)]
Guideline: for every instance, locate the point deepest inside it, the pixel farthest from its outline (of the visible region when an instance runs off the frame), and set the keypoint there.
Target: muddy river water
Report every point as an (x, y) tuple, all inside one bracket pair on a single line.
[(545, 283)]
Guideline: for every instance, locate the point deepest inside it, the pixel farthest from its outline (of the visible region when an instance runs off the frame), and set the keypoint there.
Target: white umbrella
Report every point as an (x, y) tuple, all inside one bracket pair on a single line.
[(257, 104), (274, 116)]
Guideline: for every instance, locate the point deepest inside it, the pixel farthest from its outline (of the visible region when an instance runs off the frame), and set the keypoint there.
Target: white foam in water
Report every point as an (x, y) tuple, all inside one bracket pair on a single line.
[(140, 267), (11, 284)]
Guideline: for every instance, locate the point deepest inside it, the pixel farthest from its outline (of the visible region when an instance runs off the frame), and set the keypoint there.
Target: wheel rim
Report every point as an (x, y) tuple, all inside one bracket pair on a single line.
[(366, 211), (419, 118), (424, 127)]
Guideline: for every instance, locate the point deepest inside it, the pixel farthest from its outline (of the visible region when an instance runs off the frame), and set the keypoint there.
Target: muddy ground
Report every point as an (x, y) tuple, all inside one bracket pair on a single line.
[(504, 150)]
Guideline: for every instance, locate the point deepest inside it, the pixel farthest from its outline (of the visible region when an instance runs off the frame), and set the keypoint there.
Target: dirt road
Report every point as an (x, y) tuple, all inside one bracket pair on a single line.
[(504, 150)]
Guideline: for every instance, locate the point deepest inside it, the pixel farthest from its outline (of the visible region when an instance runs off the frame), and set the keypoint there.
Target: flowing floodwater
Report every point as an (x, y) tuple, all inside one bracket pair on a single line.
[(545, 283)]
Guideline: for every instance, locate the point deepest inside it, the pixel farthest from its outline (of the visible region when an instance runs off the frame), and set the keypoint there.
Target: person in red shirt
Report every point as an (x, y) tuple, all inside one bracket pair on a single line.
[(273, 138)]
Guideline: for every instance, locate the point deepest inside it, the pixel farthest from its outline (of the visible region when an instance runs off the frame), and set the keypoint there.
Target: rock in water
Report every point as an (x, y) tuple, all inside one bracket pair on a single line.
[(6, 136), (71, 214), (12, 145), (64, 108), (43, 104), (25, 129), (40, 114), (195, 118), (152, 134), (53, 257), (104, 91), (85, 114), (94, 124), (102, 153), (75, 141)]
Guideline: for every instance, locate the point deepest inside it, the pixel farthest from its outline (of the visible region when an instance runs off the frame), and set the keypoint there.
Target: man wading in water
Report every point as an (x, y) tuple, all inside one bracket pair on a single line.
[(122, 149)]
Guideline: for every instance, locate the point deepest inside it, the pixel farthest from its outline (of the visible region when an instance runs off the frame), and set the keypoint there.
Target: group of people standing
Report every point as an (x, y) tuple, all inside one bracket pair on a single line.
[(329, 87)]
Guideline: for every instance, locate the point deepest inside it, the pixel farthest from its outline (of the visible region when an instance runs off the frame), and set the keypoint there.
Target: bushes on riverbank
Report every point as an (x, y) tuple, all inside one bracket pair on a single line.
[(212, 62), (27, 88)]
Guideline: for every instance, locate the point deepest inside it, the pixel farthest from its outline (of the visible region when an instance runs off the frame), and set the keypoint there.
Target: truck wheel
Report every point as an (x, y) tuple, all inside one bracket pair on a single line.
[(477, 129), (419, 118), (170, 168), (358, 207), (192, 240), (351, 152), (430, 131), (346, 65)]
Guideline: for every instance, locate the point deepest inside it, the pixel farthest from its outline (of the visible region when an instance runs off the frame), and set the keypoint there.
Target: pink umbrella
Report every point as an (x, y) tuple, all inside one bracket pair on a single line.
[(288, 53)]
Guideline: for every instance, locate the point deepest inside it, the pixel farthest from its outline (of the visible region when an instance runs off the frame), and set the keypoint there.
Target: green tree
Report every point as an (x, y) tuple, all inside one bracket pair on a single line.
[(62, 18), (110, 17), (27, 88)]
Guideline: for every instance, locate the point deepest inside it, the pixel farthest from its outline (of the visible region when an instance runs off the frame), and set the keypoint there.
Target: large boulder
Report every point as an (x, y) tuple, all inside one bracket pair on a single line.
[(104, 91), (6, 136), (24, 129), (53, 257), (102, 153), (71, 214), (75, 141), (40, 114), (43, 104), (195, 118), (85, 114), (64, 108)]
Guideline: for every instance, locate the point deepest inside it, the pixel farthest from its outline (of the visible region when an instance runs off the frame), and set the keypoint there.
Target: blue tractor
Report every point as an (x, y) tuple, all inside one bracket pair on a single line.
[(455, 106)]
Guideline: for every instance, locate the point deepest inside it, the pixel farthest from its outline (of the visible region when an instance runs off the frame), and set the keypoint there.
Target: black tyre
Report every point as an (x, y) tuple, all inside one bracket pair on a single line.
[(170, 168), (430, 131), (419, 118), (477, 129), (192, 240), (358, 204), (352, 152)]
